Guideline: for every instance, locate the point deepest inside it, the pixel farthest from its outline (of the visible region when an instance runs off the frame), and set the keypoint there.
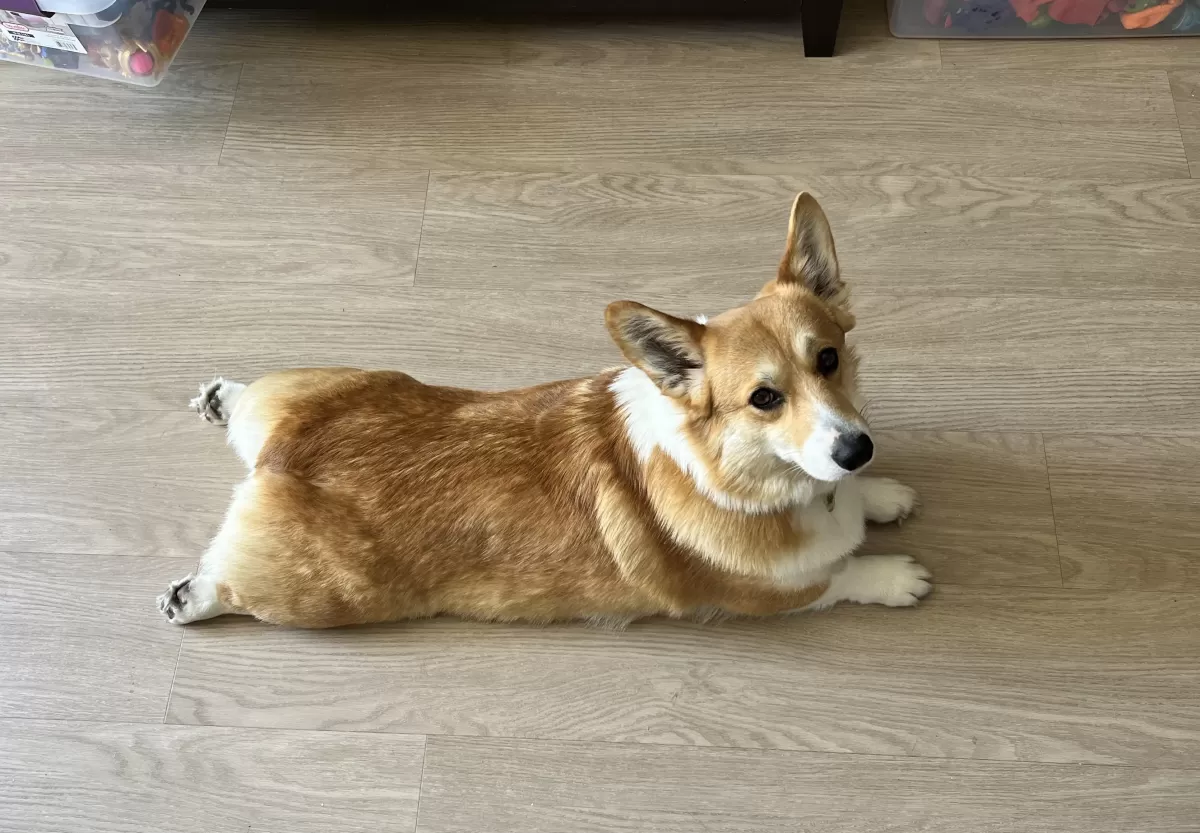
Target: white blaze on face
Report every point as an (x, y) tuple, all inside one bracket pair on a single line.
[(816, 455)]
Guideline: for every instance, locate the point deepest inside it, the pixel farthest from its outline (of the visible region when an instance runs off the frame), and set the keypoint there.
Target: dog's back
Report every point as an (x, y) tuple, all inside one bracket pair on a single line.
[(395, 499)]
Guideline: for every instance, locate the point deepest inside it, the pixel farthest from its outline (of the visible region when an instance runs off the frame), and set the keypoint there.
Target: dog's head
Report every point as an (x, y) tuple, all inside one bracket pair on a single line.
[(767, 390)]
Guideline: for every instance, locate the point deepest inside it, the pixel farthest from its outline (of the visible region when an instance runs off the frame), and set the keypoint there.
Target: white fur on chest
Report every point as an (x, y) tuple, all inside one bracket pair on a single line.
[(832, 534)]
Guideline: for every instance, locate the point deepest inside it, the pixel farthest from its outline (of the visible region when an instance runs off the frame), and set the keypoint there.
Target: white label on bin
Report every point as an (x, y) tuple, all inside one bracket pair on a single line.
[(39, 31)]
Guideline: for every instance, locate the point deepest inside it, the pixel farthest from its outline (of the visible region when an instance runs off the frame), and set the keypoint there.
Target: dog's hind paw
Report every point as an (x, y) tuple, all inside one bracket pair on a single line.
[(172, 603), (216, 400)]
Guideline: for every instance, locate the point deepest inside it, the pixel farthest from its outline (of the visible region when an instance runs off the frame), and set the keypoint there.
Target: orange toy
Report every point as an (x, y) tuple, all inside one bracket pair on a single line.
[(169, 31), (1148, 18)]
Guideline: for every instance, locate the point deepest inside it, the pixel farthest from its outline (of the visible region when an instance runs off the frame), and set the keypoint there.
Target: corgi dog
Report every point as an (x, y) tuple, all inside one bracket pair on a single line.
[(714, 475)]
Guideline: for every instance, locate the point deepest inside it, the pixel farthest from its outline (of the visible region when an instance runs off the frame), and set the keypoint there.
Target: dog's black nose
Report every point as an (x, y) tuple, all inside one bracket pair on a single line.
[(853, 451)]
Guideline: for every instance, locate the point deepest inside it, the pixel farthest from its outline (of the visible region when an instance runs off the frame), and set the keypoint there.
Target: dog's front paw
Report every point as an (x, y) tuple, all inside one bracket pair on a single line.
[(892, 580), (886, 500)]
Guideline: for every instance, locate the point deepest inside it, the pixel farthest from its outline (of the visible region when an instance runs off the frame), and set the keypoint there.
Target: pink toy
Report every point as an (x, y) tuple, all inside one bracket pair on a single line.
[(141, 63)]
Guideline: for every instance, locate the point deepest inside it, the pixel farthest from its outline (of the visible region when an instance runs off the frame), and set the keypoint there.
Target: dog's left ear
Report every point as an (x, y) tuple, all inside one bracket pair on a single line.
[(810, 258), (666, 348)]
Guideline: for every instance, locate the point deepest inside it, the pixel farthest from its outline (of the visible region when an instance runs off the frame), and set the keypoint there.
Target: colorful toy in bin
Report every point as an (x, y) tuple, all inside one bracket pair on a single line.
[(1043, 18), (127, 40), (169, 30), (138, 59), (60, 59), (1144, 14)]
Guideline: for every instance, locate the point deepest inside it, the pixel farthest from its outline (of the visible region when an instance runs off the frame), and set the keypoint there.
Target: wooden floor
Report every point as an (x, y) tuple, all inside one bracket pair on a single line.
[(1021, 226)]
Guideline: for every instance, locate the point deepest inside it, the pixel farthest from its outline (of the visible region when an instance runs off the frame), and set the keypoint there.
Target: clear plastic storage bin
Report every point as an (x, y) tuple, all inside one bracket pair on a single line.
[(1043, 18), (125, 40)]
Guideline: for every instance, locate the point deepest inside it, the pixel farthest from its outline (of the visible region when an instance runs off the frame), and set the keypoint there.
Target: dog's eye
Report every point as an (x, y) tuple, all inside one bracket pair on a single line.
[(827, 361), (766, 399)]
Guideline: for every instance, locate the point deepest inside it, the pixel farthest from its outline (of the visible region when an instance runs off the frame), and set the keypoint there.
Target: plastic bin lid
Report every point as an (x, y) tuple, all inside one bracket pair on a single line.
[(76, 6)]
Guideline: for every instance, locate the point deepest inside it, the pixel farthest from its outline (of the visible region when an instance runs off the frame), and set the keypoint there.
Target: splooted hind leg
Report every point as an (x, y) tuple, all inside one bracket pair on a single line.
[(193, 598), (205, 593), (216, 400)]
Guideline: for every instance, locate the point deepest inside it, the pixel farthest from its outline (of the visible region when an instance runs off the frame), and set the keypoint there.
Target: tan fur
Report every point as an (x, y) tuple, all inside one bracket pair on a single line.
[(359, 510), (755, 336), (374, 497)]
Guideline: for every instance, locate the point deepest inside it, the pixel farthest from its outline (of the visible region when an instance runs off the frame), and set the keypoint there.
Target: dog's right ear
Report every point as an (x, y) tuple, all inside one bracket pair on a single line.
[(811, 259), (666, 348)]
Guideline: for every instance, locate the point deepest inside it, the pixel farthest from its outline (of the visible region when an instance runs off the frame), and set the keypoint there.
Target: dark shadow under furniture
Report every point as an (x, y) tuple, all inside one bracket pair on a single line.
[(818, 18)]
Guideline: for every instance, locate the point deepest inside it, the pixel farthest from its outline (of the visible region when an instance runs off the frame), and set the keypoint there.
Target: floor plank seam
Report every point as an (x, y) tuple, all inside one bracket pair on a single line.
[(237, 85), (1053, 516), (799, 176), (759, 750), (1193, 165), (421, 231), (174, 674), (668, 295), (777, 751), (87, 721), (421, 783), (1179, 125), (176, 560)]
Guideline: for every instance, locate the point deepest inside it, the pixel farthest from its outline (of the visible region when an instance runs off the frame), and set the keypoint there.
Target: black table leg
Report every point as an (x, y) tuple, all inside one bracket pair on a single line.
[(819, 24)]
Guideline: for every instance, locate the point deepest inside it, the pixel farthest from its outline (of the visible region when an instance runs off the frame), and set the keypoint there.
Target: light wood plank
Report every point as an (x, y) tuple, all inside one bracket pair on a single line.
[(115, 482), (147, 345), (55, 115), (90, 778), (998, 364), (156, 223), (1066, 57), (541, 787), (1004, 674), (80, 638), (1126, 510), (929, 363), (985, 516), (823, 119), (928, 235), (1185, 87)]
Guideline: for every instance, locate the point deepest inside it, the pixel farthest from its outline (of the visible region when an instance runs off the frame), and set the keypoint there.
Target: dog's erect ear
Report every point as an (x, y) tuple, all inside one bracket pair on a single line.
[(665, 347), (810, 258)]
